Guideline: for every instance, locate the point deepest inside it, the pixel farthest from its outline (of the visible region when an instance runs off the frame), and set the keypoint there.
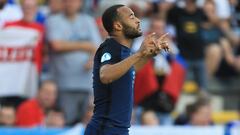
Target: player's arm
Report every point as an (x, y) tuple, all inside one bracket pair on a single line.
[(68, 46), (111, 72)]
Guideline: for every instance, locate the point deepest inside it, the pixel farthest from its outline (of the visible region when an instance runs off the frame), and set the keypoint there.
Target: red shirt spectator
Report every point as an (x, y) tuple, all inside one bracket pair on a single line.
[(30, 113), (145, 83)]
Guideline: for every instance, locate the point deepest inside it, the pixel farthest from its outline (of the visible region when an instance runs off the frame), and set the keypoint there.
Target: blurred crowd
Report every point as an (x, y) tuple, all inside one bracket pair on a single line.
[(47, 49)]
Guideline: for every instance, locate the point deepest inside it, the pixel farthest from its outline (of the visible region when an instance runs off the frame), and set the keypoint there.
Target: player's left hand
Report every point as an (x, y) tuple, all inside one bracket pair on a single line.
[(161, 44)]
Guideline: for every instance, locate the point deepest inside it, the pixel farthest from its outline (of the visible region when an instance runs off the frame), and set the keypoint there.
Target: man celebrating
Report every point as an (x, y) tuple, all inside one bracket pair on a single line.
[(113, 73)]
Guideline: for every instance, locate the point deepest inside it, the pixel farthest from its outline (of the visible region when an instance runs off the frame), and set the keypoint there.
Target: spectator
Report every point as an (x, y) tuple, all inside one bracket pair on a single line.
[(55, 118), (231, 31), (159, 26), (55, 6), (101, 29), (9, 12), (73, 38), (88, 113), (47, 8), (188, 22), (163, 6), (51, 7), (32, 112), (199, 114), (21, 55), (7, 115), (169, 78), (217, 45), (149, 118), (90, 6)]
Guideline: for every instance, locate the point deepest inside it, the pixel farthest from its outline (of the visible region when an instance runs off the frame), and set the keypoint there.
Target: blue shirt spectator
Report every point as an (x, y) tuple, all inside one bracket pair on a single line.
[(73, 37)]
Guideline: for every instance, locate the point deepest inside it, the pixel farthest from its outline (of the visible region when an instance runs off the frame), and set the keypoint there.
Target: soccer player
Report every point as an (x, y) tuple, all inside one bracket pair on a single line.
[(114, 70)]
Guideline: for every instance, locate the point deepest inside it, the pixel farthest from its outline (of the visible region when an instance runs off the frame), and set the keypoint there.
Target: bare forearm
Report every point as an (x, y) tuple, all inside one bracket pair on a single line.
[(67, 46), (149, 48), (110, 73)]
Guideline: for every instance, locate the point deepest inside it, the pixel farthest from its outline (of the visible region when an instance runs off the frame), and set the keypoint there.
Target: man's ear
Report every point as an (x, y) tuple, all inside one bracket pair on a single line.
[(117, 26)]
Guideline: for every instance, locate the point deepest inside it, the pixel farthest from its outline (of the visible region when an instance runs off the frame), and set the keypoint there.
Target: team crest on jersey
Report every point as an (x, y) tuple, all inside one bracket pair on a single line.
[(105, 57)]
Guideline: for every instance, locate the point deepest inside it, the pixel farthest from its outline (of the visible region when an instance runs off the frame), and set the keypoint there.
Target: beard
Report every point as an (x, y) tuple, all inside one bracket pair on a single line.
[(130, 32)]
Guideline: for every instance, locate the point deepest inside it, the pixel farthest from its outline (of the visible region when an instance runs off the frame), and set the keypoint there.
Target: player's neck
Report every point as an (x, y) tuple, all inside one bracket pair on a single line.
[(123, 41)]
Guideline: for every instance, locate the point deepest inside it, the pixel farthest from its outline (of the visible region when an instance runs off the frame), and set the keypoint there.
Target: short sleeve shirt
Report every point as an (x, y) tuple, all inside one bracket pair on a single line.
[(113, 101)]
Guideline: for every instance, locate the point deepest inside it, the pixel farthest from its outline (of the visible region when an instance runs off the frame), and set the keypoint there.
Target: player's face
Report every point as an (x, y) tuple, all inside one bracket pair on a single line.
[(130, 23)]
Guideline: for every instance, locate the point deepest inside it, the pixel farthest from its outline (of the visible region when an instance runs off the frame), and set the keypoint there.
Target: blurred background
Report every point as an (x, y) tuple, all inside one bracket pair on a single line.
[(46, 77)]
